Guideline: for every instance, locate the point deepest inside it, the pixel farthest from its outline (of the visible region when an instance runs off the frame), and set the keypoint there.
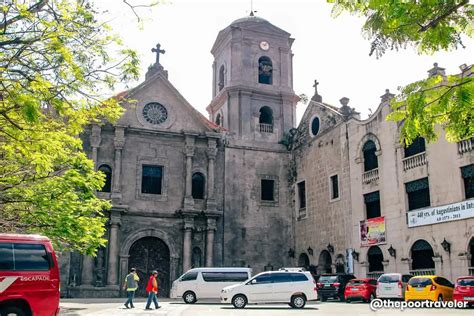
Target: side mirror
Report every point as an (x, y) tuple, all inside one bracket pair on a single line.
[(254, 281)]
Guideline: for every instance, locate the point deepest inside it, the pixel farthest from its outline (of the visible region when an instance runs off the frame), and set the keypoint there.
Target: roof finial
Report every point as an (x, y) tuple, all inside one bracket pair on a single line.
[(316, 97), (158, 51), (252, 12)]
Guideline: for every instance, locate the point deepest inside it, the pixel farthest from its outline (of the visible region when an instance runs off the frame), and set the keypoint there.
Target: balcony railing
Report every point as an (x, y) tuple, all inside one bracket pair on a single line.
[(423, 272), (374, 274), (471, 270), (414, 161), (265, 128), (370, 176), (465, 146)]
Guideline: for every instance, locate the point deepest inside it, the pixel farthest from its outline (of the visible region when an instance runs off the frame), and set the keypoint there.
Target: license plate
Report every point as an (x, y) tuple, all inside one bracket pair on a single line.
[(387, 288), (327, 285), (469, 298), (419, 289), (354, 289)]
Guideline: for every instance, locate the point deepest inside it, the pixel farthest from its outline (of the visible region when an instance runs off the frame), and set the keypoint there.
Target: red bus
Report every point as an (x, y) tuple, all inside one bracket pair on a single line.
[(29, 276)]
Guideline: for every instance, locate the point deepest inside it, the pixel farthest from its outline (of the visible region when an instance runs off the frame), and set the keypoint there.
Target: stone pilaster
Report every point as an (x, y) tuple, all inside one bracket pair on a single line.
[(189, 151), (119, 142), (95, 139), (112, 265), (211, 156), (211, 230), (87, 276), (438, 261), (187, 236)]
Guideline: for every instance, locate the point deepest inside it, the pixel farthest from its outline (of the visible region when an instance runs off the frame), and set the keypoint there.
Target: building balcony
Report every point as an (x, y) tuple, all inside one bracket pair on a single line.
[(414, 161), (465, 146), (265, 128), (423, 272), (370, 176)]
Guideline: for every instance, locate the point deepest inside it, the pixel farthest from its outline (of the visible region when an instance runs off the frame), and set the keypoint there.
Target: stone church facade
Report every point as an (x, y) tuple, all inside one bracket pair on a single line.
[(246, 187)]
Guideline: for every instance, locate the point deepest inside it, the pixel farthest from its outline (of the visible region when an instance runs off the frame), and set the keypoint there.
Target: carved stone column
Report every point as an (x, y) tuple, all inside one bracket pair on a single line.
[(95, 139), (438, 261), (119, 142), (189, 151), (188, 230), (211, 156), (112, 266), (211, 229)]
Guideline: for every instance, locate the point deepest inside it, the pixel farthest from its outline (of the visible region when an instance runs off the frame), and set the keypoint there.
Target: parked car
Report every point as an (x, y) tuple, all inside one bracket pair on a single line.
[(333, 286), (293, 288), (29, 276), (207, 282), (360, 290), (429, 287), (464, 290), (392, 285)]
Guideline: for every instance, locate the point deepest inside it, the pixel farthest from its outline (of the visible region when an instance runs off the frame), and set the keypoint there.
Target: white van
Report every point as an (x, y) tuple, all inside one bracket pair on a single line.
[(392, 285), (207, 282)]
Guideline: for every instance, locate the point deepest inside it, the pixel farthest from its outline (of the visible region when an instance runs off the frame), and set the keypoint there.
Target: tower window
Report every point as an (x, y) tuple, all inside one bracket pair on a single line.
[(108, 178), (265, 70), (219, 119), (334, 187), (302, 194), (198, 186), (266, 115), (370, 159), (221, 78)]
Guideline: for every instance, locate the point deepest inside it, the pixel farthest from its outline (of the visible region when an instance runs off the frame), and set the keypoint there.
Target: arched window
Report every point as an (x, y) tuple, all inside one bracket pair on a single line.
[(375, 258), (198, 186), (324, 262), (265, 70), (417, 147), (422, 255), (266, 115), (196, 257), (370, 159), (221, 78), (303, 261), (219, 119), (108, 178), (315, 126)]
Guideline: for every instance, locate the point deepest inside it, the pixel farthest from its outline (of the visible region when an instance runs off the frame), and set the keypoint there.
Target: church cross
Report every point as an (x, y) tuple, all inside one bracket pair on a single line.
[(315, 87), (158, 51)]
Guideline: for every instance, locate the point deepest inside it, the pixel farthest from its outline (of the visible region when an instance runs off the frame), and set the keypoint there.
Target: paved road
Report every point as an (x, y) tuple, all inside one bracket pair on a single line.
[(114, 307)]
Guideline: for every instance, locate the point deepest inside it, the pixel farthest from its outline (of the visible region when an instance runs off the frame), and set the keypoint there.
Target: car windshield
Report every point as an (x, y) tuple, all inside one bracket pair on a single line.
[(466, 282), (389, 279), (328, 278), (420, 282)]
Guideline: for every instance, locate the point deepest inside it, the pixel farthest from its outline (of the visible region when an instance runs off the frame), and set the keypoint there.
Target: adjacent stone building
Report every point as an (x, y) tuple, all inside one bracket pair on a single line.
[(247, 187)]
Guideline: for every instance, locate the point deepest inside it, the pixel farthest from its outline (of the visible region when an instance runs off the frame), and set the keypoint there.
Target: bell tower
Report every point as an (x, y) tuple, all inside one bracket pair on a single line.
[(252, 88)]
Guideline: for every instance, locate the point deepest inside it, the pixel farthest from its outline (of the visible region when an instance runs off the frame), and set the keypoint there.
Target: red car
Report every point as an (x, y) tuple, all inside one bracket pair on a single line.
[(360, 290), (29, 276), (464, 290)]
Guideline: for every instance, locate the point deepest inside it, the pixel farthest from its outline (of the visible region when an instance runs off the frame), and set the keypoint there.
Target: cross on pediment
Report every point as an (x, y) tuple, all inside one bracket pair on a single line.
[(158, 51), (315, 87)]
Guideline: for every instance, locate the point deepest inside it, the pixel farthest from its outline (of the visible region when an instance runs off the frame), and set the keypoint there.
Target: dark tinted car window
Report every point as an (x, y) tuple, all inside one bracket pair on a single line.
[(328, 279), (6, 256), (420, 282), (466, 282), (298, 277), (224, 276), (30, 257), (444, 282), (356, 282), (189, 276), (389, 278), (281, 277), (406, 278), (264, 278)]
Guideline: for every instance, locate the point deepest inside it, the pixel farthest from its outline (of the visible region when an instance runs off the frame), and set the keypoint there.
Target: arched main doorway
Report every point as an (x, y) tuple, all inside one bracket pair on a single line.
[(422, 255), (324, 262), (303, 261), (148, 254), (375, 259)]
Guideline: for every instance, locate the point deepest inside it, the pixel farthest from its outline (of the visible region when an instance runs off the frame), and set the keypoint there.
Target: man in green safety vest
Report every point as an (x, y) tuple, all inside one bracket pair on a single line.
[(131, 285)]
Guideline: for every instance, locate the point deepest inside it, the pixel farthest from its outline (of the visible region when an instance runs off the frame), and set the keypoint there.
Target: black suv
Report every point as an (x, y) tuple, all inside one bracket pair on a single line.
[(333, 286)]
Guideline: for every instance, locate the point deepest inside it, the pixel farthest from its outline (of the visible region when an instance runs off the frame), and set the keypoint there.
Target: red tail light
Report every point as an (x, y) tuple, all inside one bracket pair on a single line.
[(315, 289), (433, 288), (400, 284), (336, 284), (319, 284), (408, 287)]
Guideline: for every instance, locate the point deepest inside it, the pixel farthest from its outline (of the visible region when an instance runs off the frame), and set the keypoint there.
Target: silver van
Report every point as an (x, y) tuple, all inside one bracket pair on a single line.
[(392, 285)]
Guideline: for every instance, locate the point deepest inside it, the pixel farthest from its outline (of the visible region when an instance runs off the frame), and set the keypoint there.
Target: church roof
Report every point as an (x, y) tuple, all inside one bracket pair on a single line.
[(249, 19)]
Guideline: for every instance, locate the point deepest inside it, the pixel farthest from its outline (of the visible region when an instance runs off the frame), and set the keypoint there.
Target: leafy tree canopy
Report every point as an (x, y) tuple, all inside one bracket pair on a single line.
[(56, 61), (429, 26)]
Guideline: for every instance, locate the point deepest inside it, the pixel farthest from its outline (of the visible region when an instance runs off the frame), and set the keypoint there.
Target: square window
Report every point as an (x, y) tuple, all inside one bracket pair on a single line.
[(334, 187), (372, 204), (152, 177), (467, 174), (302, 194), (418, 193), (267, 190)]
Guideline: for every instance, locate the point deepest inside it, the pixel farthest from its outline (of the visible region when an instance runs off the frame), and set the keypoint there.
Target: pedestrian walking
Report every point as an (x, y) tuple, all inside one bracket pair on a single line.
[(152, 289), (131, 285)]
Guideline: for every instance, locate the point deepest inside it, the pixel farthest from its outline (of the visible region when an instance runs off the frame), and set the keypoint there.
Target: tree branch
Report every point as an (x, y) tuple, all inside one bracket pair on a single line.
[(443, 16)]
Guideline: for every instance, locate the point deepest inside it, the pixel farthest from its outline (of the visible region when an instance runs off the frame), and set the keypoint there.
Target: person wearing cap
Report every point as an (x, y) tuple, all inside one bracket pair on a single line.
[(152, 289), (131, 285)]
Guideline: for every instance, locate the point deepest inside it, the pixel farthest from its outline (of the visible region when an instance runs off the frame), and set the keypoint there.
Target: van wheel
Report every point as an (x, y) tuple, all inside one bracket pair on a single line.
[(298, 301), (440, 298), (239, 301), (189, 297), (12, 311)]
